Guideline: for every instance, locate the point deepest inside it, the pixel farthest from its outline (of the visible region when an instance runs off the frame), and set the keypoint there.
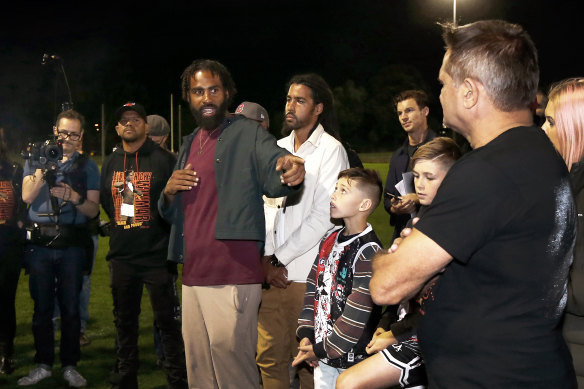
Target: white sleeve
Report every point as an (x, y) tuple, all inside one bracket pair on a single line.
[(317, 221), (271, 206)]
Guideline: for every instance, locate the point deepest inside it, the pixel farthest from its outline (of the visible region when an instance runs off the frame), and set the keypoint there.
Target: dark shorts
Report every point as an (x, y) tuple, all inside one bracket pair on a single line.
[(406, 357)]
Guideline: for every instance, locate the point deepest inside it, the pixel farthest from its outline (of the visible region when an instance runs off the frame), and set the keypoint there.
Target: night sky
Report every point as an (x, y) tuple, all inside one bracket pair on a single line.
[(133, 52)]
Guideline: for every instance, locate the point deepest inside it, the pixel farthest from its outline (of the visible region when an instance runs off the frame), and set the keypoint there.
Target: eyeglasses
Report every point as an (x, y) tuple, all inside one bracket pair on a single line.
[(69, 135)]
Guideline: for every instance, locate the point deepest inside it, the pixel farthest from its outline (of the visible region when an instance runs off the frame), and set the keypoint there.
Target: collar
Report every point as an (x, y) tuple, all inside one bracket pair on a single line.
[(314, 138), (71, 159), (229, 119), (429, 136)]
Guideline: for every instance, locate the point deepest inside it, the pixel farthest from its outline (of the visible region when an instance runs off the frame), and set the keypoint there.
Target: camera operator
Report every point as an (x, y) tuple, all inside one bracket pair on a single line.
[(62, 200)]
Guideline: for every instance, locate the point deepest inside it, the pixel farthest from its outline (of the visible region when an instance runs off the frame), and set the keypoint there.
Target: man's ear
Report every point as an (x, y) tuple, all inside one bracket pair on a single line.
[(55, 130), (318, 108), (426, 111), (470, 92), (147, 128), (365, 205)]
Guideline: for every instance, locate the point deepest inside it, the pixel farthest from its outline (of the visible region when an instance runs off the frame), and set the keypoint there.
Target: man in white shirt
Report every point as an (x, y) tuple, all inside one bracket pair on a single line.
[(300, 223)]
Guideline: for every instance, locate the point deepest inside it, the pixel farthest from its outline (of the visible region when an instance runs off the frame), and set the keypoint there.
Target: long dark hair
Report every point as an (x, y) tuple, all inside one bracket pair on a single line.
[(321, 93)]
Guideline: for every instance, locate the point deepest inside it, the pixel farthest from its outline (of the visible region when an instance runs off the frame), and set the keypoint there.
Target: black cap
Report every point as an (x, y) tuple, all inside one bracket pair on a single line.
[(131, 106)]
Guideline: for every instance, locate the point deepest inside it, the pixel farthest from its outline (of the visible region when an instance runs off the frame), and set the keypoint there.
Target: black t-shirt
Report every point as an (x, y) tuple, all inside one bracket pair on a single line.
[(506, 215)]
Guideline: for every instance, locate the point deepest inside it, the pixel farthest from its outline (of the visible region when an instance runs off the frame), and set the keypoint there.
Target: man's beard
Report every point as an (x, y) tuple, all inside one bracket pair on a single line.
[(131, 138), (287, 128), (209, 122)]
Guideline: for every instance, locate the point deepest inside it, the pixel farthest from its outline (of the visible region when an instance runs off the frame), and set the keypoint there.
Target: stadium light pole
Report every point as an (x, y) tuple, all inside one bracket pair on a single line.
[(454, 13)]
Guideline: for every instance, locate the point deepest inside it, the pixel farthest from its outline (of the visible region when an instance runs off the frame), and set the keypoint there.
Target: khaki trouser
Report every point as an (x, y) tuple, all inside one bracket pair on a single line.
[(219, 327), (277, 344)]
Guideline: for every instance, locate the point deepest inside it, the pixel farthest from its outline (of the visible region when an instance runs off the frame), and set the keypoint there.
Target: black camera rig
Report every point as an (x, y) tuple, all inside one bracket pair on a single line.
[(44, 155)]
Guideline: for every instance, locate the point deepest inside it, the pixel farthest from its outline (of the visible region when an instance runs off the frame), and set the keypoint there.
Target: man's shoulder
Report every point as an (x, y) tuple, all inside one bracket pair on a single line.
[(161, 153), (91, 166), (330, 140), (85, 160), (431, 135), (241, 129), (81, 162), (400, 151), (239, 122), (516, 150), (285, 141)]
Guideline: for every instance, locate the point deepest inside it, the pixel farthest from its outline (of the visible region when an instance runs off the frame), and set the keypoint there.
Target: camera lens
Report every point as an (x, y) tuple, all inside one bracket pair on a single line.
[(53, 153)]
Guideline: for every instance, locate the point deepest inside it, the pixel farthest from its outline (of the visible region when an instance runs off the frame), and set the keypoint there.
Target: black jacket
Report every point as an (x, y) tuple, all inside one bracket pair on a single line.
[(573, 327)]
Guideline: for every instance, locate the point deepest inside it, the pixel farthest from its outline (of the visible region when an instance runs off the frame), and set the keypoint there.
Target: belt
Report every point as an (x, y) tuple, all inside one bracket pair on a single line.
[(58, 235), (63, 230)]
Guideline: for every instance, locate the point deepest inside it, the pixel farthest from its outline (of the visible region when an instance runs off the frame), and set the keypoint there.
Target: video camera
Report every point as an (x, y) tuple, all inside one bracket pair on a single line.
[(44, 155)]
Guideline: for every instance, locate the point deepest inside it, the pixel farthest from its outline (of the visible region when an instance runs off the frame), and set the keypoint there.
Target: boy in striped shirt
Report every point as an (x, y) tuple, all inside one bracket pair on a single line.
[(339, 316)]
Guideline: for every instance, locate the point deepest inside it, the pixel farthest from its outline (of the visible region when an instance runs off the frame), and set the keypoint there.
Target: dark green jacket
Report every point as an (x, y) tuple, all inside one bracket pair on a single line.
[(245, 169)]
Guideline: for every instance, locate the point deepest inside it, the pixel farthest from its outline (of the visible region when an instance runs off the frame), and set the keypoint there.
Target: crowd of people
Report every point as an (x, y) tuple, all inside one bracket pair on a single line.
[(282, 275)]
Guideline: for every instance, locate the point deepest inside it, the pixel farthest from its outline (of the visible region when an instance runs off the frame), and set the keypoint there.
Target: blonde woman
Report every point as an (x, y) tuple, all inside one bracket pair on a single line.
[(564, 126)]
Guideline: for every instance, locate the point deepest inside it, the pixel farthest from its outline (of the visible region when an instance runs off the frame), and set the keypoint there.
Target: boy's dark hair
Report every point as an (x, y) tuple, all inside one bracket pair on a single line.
[(367, 180)]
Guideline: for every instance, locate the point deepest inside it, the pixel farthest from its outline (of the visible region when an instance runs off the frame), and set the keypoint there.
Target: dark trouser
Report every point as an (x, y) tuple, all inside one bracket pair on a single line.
[(55, 272), (127, 282), (10, 265)]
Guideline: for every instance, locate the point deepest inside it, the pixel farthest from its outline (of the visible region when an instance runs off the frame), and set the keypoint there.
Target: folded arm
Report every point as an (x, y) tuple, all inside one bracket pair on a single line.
[(401, 274)]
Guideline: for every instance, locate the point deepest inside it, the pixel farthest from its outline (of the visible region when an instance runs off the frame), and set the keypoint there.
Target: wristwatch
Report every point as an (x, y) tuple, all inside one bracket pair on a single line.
[(274, 261)]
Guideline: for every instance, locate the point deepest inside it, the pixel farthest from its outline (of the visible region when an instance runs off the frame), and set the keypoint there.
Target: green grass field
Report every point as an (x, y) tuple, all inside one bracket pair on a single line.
[(98, 357)]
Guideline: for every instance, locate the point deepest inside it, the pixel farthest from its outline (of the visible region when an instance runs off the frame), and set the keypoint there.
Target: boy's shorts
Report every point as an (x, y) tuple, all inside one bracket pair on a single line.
[(406, 357)]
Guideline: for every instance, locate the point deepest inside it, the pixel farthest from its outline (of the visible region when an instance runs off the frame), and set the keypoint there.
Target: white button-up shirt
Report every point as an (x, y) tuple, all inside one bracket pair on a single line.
[(304, 217)]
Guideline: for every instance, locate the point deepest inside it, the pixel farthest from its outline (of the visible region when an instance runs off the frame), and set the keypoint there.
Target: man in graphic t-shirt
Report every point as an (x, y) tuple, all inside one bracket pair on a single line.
[(133, 176), (501, 228)]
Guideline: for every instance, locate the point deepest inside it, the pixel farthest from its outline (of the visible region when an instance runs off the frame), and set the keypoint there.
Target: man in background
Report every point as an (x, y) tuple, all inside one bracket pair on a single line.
[(255, 112), (159, 130), (412, 112)]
